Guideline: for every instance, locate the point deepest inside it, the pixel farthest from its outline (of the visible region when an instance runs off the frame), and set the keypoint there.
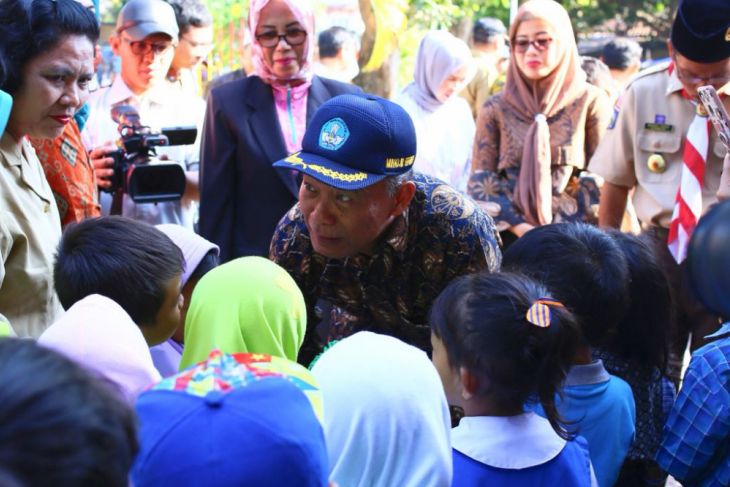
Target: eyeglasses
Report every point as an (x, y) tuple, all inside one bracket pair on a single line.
[(293, 37), (691, 79), (522, 45), (198, 45), (142, 48)]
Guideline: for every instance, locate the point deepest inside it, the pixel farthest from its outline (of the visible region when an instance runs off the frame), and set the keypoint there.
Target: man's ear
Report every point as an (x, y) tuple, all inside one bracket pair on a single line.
[(114, 42), (403, 196)]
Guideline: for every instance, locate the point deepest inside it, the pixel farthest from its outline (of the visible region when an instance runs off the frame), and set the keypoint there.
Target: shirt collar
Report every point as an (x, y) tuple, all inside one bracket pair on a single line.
[(593, 373), (9, 145), (120, 92), (674, 85), (511, 442), (397, 233), (724, 330)]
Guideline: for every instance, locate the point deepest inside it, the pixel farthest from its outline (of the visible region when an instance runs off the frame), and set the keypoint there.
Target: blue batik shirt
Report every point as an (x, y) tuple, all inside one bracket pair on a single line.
[(442, 235)]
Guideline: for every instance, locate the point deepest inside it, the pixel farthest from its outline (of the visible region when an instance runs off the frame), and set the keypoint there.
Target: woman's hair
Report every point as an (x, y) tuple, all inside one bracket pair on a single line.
[(641, 336), (482, 321), (31, 27), (61, 426)]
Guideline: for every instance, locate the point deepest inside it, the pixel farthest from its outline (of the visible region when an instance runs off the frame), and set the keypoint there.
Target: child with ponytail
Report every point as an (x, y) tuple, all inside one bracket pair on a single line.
[(500, 342)]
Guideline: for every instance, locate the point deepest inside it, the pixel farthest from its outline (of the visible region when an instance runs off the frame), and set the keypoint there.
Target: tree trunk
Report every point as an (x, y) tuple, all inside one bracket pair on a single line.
[(381, 81)]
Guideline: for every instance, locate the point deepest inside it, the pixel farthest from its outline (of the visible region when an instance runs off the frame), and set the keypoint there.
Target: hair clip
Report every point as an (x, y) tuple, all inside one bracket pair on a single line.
[(539, 312)]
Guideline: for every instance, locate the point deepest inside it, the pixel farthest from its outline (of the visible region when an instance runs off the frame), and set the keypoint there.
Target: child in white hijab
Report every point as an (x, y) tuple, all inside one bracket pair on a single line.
[(386, 419)]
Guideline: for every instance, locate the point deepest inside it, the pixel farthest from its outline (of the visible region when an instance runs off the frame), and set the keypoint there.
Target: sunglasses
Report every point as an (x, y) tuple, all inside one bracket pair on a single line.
[(141, 48), (522, 45), (293, 37)]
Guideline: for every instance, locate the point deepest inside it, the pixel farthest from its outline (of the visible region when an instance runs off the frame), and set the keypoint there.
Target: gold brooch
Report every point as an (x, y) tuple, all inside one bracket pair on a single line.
[(656, 163)]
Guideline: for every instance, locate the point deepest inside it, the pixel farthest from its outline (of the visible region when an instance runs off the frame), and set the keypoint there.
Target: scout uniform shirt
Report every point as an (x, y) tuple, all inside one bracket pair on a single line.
[(30, 229), (644, 145)]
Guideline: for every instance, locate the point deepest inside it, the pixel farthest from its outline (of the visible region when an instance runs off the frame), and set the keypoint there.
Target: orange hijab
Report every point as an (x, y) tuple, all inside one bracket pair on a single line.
[(537, 101)]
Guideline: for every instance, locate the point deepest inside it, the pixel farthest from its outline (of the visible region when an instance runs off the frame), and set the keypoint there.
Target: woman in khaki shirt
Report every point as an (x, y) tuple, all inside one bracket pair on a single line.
[(534, 139), (46, 63)]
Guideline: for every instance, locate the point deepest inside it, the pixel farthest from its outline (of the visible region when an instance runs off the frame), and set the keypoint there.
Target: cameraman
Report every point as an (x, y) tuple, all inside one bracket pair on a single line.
[(145, 39)]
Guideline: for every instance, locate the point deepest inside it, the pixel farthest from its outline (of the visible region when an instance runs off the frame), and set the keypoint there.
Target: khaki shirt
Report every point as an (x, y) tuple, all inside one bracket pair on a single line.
[(485, 83), (30, 228), (654, 98)]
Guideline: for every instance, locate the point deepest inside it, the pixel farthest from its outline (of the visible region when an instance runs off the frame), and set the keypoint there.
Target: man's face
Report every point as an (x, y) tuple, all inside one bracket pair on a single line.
[(346, 223), (144, 63), (193, 47), (693, 74)]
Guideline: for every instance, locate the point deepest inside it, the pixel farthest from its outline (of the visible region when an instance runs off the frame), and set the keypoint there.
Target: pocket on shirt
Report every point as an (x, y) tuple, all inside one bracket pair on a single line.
[(666, 144)]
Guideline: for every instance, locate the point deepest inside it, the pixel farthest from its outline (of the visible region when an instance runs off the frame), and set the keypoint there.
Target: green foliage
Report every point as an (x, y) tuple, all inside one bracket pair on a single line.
[(444, 14)]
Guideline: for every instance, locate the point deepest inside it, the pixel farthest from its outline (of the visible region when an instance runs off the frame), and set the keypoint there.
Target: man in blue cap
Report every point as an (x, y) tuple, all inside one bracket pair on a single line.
[(370, 243), (661, 145)]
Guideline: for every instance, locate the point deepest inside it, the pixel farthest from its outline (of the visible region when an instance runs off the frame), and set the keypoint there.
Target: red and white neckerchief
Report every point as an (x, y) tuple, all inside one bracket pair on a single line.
[(688, 203)]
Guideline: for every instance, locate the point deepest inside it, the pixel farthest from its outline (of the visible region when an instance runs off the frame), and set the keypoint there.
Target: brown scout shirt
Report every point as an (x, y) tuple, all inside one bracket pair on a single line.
[(654, 98)]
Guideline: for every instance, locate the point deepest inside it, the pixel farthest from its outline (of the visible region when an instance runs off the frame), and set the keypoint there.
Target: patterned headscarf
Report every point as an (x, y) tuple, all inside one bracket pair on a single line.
[(537, 101), (304, 13), (234, 419), (249, 304)]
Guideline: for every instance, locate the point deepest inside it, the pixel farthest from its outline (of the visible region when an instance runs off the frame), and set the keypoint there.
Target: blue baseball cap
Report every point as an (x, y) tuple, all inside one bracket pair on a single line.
[(354, 141)]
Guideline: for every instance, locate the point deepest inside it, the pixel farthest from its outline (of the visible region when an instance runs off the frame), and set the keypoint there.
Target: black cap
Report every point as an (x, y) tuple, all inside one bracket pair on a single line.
[(487, 27), (701, 30)]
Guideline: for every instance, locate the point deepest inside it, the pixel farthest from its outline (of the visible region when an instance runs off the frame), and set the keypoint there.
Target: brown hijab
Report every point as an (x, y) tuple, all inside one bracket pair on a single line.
[(539, 100)]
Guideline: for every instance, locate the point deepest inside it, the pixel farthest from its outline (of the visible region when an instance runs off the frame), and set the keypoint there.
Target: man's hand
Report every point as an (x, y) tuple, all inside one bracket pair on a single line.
[(102, 164)]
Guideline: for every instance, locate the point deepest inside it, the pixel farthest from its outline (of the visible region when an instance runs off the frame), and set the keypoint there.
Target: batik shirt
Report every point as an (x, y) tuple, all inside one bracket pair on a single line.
[(654, 395), (70, 175), (442, 235)]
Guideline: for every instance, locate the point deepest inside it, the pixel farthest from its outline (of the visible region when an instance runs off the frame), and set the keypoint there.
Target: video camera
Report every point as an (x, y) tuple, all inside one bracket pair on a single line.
[(133, 173)]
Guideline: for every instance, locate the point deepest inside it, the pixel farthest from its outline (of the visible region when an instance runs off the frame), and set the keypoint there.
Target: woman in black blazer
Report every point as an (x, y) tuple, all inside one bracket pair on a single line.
[(252, 122)]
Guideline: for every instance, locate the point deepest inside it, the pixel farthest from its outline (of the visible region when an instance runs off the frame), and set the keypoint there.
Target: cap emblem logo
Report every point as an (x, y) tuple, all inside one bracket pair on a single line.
[(333, 135)]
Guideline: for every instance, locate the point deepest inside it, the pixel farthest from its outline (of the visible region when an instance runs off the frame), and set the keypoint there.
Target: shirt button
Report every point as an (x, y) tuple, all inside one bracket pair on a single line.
[(46, 207)]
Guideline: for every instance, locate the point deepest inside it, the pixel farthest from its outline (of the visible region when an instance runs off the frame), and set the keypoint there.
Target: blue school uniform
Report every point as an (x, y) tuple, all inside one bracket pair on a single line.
[(599, 407), (515, 451)]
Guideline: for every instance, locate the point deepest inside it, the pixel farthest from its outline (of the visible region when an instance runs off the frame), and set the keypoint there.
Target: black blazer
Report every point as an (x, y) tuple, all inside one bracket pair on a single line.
[(242, 197)]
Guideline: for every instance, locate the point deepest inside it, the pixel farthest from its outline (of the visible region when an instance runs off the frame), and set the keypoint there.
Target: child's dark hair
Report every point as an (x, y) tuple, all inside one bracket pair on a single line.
[(641, 336), (31, 27), (481, 320), (60, 425), (129, 262), (583, 267), (209, 262)]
